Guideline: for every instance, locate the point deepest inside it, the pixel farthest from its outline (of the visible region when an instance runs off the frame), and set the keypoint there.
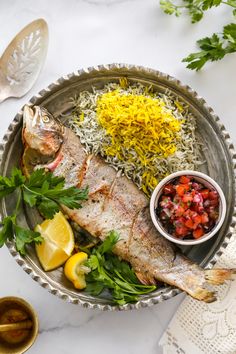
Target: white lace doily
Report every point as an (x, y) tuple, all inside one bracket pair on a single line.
[(198, 327)]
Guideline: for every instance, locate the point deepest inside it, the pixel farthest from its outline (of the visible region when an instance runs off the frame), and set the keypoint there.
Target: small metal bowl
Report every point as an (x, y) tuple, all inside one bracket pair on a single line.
[(11, 302), (208, 182)]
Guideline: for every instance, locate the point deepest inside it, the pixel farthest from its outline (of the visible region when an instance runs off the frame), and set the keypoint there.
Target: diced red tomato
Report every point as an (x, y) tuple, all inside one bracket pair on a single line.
[(213, 195), (214, 202), (168, 189), (197, 208), (181, 189), (187, 198), (199, 232), (188, 213), (204, 193), (189, 223), (204, 218), (184, 179), (179, 222), (197, 220), (179, 211), (181, 231)]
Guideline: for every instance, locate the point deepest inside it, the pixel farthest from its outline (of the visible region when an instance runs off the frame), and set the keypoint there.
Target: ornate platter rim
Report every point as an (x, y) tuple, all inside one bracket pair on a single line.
[(168, 292)]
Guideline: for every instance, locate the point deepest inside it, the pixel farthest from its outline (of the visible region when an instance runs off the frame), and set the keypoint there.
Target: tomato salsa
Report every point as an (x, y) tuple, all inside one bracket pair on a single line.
[(187, 209)]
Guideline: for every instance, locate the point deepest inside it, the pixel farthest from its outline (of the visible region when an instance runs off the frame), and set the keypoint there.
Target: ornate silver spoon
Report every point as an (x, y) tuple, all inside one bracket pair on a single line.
[(23, 59)]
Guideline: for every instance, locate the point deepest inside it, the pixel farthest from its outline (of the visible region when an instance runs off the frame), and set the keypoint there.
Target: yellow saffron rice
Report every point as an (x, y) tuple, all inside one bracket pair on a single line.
[(144, 134), (139, 123)]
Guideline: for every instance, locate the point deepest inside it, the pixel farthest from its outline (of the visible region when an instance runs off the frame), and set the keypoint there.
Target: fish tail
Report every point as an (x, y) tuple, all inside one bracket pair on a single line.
[(203, 295), (218, 276), (214, 277)]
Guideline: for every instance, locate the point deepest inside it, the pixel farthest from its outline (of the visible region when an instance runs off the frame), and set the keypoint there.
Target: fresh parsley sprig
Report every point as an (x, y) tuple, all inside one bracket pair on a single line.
[(109, 272), (195, 8), (212, 48), (41, 190), (47, 192)]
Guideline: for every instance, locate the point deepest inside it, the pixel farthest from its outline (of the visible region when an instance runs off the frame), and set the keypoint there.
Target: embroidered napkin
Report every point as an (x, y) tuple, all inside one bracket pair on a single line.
[(198, 327)]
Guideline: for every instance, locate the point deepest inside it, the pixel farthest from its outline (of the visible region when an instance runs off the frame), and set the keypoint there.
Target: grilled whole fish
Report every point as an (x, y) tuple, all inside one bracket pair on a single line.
[(115, 203)]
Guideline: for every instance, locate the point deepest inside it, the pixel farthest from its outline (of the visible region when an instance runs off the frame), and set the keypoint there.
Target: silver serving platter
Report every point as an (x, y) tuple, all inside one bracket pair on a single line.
[(218, 153)]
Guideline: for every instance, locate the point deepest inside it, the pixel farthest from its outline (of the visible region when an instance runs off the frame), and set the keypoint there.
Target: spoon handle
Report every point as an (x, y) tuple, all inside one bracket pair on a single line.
[(15, 326)]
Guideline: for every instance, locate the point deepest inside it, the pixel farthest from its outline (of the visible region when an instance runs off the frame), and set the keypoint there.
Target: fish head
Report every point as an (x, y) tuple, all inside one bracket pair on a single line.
[(41, 131)]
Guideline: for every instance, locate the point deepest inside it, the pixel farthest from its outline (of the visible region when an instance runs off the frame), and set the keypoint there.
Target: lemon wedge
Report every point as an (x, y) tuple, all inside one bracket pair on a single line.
[(58, 242), (75, 269)]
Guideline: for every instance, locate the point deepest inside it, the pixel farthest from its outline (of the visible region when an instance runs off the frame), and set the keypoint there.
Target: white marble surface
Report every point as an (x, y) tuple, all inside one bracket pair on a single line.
[(85, 33)]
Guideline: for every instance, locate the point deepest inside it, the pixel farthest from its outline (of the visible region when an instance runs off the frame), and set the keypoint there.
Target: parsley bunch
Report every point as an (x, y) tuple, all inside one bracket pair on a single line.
[(41, 190), (109, 272), (212, 48)]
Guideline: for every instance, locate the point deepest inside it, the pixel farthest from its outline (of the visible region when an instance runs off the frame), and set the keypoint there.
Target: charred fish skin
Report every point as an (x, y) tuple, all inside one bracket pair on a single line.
[(115, 203)]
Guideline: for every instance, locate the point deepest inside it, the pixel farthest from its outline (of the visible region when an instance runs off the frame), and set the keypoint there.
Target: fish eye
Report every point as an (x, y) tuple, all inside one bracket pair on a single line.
[(45, 119)]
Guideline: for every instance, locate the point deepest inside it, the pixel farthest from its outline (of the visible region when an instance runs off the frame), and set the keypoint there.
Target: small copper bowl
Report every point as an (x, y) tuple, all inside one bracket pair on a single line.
[(16, 303)]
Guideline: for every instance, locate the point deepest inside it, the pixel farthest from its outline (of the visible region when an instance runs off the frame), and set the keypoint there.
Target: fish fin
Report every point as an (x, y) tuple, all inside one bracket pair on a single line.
[(214, 277), (218, 276), (145, 279), (203, 295)]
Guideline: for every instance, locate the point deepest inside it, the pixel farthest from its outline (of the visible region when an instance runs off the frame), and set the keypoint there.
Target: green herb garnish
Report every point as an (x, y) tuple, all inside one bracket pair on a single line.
[(42, 190), (212, 48), (109, 272), (195, 8)]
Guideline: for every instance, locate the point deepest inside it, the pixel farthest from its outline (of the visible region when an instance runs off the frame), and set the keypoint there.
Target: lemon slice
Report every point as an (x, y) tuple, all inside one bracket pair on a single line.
[(75, 269), (58, 242)]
